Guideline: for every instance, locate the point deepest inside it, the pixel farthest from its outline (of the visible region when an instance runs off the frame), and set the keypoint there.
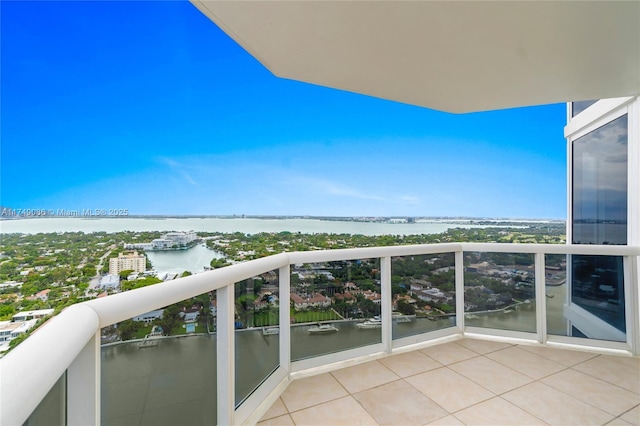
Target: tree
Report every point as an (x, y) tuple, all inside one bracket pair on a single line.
[(124, 274), (127, 329), (406, 308)]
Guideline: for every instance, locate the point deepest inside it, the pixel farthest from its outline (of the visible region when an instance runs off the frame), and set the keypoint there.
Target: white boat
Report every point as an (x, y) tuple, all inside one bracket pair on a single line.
[(270, 330), (374, 322), (399, 317), (151, 340), (322, 329)]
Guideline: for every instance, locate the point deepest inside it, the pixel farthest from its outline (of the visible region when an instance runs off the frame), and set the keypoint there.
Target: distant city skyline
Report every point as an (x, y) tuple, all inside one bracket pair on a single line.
[(149, 107)]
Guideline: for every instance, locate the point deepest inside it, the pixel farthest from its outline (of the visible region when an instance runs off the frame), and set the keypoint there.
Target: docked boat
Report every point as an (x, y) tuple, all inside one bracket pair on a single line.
[(323, 329), (151, 340), (270, 330), (374, 322), (399, 317)]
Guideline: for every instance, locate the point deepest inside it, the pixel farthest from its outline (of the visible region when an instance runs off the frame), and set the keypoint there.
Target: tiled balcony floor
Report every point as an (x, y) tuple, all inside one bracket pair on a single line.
[(469, 382)]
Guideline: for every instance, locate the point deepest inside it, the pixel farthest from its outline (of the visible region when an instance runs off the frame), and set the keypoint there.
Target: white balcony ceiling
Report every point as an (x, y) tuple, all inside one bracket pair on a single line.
[(456, 56)]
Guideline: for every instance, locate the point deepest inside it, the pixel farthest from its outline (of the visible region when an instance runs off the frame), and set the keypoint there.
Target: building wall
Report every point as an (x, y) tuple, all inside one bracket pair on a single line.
[(132, 261)]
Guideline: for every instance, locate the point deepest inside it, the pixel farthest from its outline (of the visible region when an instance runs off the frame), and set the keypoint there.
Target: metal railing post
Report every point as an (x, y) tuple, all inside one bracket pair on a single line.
[(83, 385), (541, 297), (459, 267), (387, 302), (284, 280), (226, 355)]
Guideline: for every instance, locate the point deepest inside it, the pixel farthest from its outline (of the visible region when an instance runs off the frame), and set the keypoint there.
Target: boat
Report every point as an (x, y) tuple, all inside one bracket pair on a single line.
[(374, 322), (266, 331), (151, 340), (323, 329), (399, 317)]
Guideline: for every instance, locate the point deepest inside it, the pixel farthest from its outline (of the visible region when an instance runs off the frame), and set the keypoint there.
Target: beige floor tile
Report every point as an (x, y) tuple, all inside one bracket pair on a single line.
[(561, 356), (343, 411), (491, 374), (310, 391), (555, 407), (633, 362), (603, 395), (276, 410), (449, 353), (410, 363), (450, 420), (449, 389), (364, 376), (632, 416), (482, 346), (278, 421), (619, 422), (496, 411), (526, 362), (612, 372), (399, 403)]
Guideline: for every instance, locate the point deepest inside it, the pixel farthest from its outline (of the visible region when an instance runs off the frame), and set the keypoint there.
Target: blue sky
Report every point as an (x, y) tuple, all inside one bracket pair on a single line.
[(148, 106)]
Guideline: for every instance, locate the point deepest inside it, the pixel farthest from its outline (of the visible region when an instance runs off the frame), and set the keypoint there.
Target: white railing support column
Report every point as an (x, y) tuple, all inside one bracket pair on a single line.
[(541, 297), (83, 385), (225, 343), (632, 302), (284, 284), (459, 265), (387, 302)]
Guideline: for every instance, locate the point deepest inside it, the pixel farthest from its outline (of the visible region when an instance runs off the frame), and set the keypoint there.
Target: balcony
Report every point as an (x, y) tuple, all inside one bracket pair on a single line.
[(454, 368), (472, 382)]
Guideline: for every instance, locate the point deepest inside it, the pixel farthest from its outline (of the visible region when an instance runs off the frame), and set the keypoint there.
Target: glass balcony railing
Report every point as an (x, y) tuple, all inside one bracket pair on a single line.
[(257, 332), (51, 409), (159, 367), (499, 291), (237, 333), (424, 294), (335, 306)]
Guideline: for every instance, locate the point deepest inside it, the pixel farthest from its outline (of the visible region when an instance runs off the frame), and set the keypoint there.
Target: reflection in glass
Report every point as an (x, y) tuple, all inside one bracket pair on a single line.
[(556, 293), (160, 367), (598, 287), (600, 185), (335, 306), (499, 291), (257, 336), (52, 409), (599, 210), (579, 106), (423, 289)]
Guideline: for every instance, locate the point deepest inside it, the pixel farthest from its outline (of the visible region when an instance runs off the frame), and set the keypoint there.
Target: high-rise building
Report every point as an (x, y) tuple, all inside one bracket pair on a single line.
[(127, 261)]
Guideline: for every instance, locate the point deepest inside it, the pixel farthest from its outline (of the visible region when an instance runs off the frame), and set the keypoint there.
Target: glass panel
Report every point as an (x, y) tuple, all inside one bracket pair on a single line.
[(598, 287), (600, 163), (423, 289), (257, 334), (556, 292), (579, 106), (499, 291), (335, 306), (160, 367), (52, 409), (600, 185)]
